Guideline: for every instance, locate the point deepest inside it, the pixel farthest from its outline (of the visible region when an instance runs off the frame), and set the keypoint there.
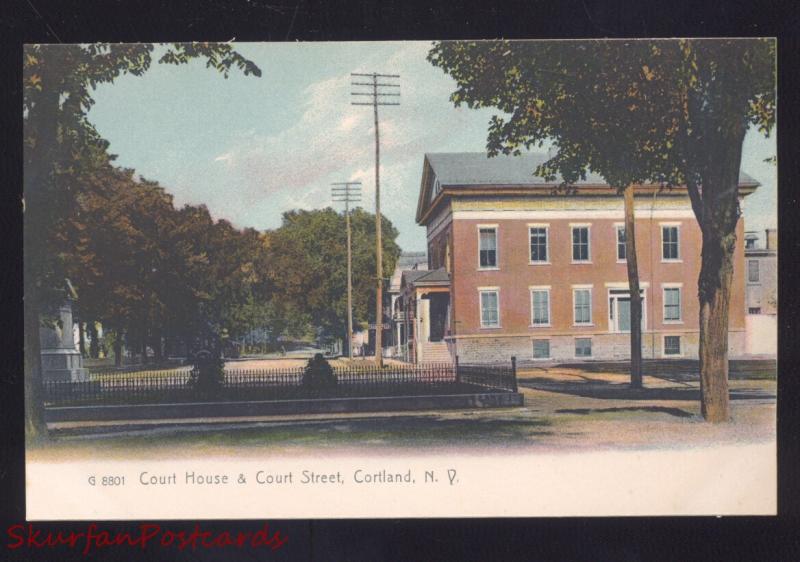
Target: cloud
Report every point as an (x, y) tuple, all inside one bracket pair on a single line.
[(331, 140)]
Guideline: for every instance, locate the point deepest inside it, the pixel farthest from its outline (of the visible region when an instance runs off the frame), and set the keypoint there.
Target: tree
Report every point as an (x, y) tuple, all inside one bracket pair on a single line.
[(720, 88), (158, 274), (671, 112), (309, 263), (58, 139), (586, 99)]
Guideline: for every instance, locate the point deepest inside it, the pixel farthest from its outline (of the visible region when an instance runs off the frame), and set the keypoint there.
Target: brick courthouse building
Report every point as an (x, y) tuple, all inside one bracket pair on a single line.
[(542, 275)]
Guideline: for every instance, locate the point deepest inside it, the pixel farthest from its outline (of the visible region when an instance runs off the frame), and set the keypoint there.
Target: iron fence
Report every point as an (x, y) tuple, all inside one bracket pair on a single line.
[(495, 376), (181, 385)]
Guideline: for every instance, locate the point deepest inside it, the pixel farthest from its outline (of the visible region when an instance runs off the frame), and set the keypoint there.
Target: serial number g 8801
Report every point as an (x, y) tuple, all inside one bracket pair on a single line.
[(112, 481)]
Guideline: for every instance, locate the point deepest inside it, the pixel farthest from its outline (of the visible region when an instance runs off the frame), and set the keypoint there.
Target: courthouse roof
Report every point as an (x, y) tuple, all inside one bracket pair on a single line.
[(476, 168), (466, 171)]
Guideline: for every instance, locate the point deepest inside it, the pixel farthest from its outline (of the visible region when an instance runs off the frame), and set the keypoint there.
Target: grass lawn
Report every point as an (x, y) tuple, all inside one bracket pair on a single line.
[(238, 365), (565, 410)]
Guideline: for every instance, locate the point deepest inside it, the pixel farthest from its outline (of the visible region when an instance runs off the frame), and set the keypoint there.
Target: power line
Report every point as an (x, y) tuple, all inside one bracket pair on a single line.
[(368, 85)]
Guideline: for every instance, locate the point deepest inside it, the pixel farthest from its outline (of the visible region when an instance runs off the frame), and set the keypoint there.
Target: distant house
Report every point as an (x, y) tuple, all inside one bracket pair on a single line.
[(761, 257), (761, 292), (408, 261), (518, 269)]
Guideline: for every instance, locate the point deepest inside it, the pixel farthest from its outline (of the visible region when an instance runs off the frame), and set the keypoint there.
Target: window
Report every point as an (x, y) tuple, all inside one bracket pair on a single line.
[(621, 248), (580, 243), (582, 299), (670, 243), (437, 187), (490, 314), (540, 307), (541, 349), (752, 271), (538, 244), (488, 247), (583, 347), (672, 345), (754, 310), (672, 304)]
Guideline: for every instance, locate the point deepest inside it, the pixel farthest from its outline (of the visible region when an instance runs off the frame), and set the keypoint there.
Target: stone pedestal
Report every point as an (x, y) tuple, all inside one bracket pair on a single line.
[(61, 360)]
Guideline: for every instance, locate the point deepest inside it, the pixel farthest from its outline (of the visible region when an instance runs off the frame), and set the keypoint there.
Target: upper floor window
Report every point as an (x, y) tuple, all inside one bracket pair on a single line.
[(490, 313), (670, 243), (752, 271), (538, 236), (487, 247), (621, 248), (580, 244)]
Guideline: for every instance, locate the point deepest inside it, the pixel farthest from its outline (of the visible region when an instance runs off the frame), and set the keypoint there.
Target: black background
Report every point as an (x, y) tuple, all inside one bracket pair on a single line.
[(627, 539)]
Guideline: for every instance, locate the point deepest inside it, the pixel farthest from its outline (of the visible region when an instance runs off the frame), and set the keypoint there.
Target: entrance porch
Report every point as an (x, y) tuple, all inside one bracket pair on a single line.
[(423, 316)]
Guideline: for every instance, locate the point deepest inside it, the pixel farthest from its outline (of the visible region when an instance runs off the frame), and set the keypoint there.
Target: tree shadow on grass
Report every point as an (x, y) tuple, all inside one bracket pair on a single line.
[(415, 430), (397, 431), (681, 370), (677, 412), (607, 390)]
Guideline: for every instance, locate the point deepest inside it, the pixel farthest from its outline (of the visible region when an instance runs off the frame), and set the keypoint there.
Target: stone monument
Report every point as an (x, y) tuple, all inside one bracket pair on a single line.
[(61, 360)]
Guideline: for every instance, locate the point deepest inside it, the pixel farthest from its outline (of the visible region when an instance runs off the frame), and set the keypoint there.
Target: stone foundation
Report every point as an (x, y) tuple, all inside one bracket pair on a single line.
[(605, 346)]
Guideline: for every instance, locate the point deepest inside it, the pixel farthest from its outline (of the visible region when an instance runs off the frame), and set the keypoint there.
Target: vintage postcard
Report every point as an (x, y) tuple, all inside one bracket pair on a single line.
[(400, 279)]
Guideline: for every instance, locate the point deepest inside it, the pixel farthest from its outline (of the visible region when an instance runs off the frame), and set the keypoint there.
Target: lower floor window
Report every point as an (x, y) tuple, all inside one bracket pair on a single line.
[(754, 310), (541, 349), (583, 347), (490, 315), (672, 345)]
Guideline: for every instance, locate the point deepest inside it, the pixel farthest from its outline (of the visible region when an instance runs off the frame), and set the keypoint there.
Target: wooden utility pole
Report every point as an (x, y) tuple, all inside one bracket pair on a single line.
[(348, 192), (375, 92)]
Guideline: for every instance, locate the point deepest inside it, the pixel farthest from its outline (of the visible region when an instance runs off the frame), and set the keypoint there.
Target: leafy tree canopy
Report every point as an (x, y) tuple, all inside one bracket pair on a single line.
[(633, 111), (308, 258)]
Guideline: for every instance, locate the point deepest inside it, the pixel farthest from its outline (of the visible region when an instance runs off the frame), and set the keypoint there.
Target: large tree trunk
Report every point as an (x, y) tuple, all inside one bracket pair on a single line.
[(35, 427), (716, 274), (41, 152), (720, 216), (633, 284)]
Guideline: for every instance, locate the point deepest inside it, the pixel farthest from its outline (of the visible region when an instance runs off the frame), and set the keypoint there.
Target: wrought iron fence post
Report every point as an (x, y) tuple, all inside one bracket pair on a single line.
[(514, 372), (455, 365)]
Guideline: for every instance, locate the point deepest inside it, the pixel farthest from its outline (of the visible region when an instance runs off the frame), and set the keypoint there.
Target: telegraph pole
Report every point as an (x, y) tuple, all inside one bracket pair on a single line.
[(348, 192), (377, 92)]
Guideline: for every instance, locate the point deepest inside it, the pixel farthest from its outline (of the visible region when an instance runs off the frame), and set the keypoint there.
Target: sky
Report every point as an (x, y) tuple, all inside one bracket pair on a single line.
[(251, 148)]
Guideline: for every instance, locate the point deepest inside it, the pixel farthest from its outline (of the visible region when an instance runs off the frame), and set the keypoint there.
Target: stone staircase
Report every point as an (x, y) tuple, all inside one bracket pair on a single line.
[(435, 352)]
